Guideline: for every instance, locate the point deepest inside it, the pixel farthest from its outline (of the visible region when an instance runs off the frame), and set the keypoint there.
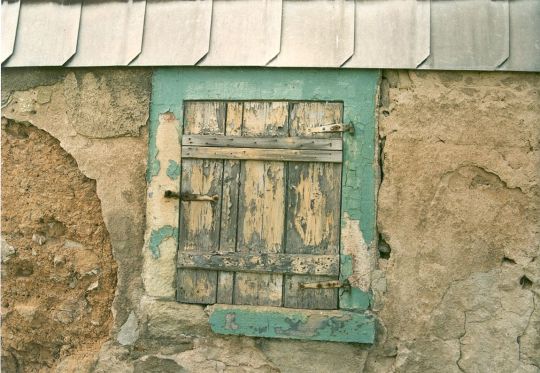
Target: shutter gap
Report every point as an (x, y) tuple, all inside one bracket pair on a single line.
[(221, 199), (285, 227), (238, 203)]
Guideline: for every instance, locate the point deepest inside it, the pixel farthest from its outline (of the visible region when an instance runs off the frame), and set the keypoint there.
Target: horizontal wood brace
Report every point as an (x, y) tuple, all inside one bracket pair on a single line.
[(300, 264), (293, 155), (298, 143)]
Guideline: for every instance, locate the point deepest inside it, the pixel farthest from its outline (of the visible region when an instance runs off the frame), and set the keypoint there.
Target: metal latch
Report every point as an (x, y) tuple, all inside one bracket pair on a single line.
[(336, 127), (345, 285), (191, 197)]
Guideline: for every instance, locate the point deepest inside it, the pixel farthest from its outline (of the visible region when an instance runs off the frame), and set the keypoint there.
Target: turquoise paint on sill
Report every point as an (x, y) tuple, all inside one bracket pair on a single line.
[(356, 88), (293, 324)]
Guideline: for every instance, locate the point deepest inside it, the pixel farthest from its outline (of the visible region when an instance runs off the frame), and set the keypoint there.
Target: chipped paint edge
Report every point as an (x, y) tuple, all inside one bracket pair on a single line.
[(159, 269), (173, 170), (276, 322), (158, 236), (356, 88)]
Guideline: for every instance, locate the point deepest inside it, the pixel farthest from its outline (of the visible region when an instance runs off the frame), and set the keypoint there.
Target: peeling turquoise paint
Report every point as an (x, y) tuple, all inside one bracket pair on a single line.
[(352, 299), (152, 169), (355, 299), (345, 266), (293, 324), (158, 236), (356, 88), (173, 171)]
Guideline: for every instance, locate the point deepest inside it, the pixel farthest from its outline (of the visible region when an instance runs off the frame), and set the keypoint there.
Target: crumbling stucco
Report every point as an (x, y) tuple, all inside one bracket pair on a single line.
[(459, 206), (160, 251), (61, 106), (58, 274), (354, 245), (456, 288)]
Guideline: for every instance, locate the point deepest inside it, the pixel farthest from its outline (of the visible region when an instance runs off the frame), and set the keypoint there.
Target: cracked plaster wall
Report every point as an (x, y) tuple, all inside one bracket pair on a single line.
[(458, 279), (459, 206)]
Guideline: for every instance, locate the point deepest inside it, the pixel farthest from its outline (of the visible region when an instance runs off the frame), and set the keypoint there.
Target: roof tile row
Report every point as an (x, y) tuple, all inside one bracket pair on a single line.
[(424, 34)]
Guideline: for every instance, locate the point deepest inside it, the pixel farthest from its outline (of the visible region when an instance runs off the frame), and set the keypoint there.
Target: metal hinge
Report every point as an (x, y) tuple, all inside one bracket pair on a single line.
[(326, 285), (191, 197), (336, 127)]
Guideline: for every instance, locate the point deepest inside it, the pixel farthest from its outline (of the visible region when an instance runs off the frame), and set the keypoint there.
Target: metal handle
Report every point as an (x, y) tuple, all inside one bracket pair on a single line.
[(198, 197), (335, 127), (191, 197)]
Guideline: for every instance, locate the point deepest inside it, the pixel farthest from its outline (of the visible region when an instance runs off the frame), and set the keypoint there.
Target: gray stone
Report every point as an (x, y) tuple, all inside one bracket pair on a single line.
[(314, 357), (154, 364), (59, 260), (129, 332), (7, 250), (68, 244), (39, 239), (171, 320), (113, 358)]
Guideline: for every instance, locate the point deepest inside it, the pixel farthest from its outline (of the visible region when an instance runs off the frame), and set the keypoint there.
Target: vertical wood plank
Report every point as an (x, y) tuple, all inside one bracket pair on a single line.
[(199, 227), (313, 213), (261, 213), (229, 206)]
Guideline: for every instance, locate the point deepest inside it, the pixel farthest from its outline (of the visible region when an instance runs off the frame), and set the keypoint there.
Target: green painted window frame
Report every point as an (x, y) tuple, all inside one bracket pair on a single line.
[(357, 89)]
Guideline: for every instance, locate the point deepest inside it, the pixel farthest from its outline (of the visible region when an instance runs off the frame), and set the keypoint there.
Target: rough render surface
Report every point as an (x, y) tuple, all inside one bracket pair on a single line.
[(457, 286), (58, 274), (459, 206), (60, 102)]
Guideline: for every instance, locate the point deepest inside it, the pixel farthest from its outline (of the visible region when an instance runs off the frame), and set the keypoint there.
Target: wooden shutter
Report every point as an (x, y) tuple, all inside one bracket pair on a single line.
[(260, 209)]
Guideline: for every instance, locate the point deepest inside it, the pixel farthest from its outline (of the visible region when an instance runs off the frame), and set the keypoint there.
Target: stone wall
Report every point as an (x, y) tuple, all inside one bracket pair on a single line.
[(459, 203)]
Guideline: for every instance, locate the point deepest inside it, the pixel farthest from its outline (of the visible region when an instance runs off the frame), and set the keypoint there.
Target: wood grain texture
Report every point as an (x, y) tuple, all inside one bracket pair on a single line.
[(261, 263), (229, 206), (313, 213), (199, 226), (298, 143), (266, 206), (207, 152), (261, 217)]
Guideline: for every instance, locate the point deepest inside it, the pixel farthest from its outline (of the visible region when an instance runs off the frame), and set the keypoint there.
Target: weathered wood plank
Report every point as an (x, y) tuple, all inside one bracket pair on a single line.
[(229, 206), (306, 116), (276, 263), (199, 221), (208, 152), (274, 322), (313, 214), (261, 217), (204, 118), (298, 143)]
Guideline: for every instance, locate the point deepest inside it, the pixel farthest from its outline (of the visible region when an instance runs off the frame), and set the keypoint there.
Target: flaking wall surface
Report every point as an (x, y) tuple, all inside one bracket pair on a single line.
[(456, 288)]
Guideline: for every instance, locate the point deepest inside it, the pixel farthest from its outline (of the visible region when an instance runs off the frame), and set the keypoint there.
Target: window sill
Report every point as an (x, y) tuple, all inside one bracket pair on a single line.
[(276, 322)]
